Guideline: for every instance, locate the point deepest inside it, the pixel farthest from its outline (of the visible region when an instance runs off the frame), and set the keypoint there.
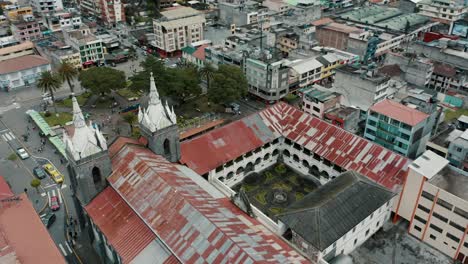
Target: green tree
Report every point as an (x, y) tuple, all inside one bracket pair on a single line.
[(49, 83), (131, 119), (183, 83), (179, 83), (35, 183), (68, 73), (102, 80), (207, 73), (140, 80), (229, 84)]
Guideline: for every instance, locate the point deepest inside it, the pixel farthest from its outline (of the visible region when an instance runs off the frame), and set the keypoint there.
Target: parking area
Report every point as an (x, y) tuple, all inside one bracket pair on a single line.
[(394, 245)]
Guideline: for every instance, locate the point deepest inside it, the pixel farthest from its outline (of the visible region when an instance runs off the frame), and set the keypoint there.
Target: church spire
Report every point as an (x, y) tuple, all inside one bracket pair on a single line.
[(153, 94), (78, 118)]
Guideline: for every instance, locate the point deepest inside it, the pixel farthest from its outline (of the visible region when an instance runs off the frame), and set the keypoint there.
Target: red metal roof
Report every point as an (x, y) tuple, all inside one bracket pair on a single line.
[(225, 143), (124, 230), (333, 143), (196, 226), (5, 190), (399, 112), (119, 143), (23, 237)]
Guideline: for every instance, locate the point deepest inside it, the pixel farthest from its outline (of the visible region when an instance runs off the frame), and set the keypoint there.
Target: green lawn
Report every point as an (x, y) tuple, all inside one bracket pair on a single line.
[(451, 115), (54, 120), (128, 93), (82, 98)]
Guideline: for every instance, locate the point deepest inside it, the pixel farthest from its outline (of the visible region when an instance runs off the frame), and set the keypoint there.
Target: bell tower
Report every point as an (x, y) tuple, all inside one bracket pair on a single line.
[(158, 123), (89, 163)]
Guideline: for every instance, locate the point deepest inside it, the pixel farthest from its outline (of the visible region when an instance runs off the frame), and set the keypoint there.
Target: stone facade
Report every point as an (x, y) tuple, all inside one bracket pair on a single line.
[(164, 142)]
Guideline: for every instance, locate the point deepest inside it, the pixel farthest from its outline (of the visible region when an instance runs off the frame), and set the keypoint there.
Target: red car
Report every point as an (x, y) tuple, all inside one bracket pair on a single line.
[(54, 203)]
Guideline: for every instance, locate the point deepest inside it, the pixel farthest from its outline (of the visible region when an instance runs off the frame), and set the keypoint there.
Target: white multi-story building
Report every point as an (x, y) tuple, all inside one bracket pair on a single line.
[(47, 6), (304, 72), (443, 11), (112, 11), (178, 28), (91, 48), (434, 200), (61, 20), (21, 71)]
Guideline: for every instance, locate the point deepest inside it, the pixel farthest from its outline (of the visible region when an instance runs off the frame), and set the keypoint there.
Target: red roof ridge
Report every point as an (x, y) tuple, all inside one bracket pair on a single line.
[(400, 112)]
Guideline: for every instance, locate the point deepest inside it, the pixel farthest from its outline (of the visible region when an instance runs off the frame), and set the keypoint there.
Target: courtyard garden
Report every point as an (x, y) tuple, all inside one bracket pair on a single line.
[(275, 188)]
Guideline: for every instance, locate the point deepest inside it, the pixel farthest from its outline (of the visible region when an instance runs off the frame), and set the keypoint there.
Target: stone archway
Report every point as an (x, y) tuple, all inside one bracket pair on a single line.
[(325, 175), (286, 153), (249, 167), (305, 163), (240, 170), (314, 170)]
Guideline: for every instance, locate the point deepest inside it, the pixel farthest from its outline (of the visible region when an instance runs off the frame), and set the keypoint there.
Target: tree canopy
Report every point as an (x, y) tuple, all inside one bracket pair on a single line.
[(228, 84), (177, 83), (102, 80)]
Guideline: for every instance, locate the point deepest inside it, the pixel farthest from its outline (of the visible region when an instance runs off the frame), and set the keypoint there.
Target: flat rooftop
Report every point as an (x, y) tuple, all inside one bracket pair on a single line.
[(322, 96), (453, 180)]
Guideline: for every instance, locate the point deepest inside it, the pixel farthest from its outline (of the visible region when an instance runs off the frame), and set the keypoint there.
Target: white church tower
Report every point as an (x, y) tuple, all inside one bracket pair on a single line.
[(158, 123), (89, 162)]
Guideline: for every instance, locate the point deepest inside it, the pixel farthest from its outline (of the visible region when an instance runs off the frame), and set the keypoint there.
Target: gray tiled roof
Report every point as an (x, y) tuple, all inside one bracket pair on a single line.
[(328, 213)]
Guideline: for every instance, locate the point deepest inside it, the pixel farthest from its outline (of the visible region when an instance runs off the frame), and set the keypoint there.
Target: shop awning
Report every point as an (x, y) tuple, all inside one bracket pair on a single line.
[(41, 123), (59, 145)]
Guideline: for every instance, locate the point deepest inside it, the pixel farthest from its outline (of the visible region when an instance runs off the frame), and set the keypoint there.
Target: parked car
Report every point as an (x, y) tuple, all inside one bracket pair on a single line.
[(39, 172), (54, 173), (22, 153), (48, 219), (54, 203)]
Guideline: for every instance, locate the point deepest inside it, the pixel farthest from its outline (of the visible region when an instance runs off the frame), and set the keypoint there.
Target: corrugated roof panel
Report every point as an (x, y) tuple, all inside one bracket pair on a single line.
[(174, 202)]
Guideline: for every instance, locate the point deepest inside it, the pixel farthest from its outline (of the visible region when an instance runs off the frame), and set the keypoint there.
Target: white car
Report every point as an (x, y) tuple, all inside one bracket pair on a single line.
[(22, 153)]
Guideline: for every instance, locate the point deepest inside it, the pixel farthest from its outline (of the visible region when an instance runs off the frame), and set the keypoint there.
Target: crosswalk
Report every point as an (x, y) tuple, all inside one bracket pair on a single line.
[(7, 135), (65, 248), (51, 193)]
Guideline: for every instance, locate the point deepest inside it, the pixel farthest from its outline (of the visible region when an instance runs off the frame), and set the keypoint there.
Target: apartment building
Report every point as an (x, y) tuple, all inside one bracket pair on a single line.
[(21, 71), (443, 11), (26, 29), (361, 87), (458, 151), (288, 42), (61, 20), (267, 77), (317, 102), (417, 70), (434, 200), (398, 127), (335, 35), (18, 12), (112, 11), (445, 78), (47, 6), (304, 72), (22, 49), (178, 28), (91, 48)]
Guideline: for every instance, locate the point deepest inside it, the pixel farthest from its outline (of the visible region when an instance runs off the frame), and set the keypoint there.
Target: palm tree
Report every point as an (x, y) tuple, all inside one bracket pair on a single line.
[(68, 73), (207, 73), (130, 118), (49, 83)]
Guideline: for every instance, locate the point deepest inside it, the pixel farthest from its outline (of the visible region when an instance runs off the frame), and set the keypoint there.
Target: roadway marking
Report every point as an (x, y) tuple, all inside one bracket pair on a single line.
[(8, 136), (62, 249), (59, 195), (63, 186), (50, 185)]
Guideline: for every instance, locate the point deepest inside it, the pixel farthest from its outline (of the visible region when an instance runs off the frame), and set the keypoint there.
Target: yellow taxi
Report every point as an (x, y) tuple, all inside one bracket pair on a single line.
[(53, 172)]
